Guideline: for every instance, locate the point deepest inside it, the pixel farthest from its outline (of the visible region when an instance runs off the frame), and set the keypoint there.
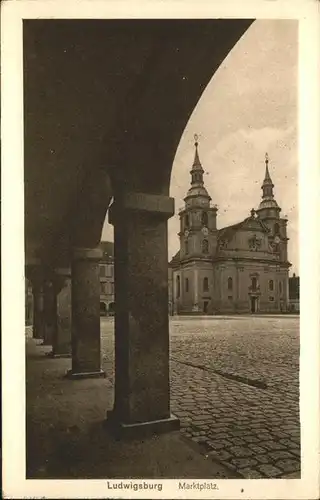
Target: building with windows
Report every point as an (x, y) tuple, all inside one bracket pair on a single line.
[(241, 268), (106, 268)]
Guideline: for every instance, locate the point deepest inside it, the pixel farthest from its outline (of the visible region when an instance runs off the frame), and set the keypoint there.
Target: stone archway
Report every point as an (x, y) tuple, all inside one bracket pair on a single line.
[(149, 89)]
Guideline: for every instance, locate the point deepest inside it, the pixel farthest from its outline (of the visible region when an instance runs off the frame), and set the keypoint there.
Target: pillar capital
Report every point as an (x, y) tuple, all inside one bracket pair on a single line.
[(92, 254), (64, 271), (155, 204), (35, 273)]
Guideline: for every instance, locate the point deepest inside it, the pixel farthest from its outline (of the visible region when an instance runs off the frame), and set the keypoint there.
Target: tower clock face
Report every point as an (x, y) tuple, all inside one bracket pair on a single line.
[(277, 239), (186, 233), (205, 231)]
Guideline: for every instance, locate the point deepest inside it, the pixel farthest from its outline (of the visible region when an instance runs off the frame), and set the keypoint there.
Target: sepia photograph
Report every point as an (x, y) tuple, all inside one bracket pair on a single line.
[(161, 254)]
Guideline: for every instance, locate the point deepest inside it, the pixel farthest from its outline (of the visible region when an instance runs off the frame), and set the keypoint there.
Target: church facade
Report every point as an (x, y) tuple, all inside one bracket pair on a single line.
[(242, 268)]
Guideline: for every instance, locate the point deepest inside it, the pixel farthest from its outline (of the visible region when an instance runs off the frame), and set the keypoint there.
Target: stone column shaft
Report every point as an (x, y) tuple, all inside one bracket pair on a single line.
[(50, 312), (35, 274), (142, 393), (85, 300), (196, 291), (61, 335), (38, 314)]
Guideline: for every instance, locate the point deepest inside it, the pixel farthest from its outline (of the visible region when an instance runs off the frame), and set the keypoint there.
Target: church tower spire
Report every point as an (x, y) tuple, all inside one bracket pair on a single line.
[(197, 192), (267, 186), (268, 206), (197, 170)]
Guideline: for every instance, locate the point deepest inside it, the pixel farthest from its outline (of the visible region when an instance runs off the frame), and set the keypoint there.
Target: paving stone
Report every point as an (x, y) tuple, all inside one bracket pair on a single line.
[(237, 441), (241, 451), (276, 455), (272, 445), (296, 452), (280, 434), (270, 470), (288, 465), (265, 437), (256, 448), (249, 473), (251, 439), (229, 465), (181, 413), (201, 418), (243, 462), (222, 435), (263, 459), (218, 445)]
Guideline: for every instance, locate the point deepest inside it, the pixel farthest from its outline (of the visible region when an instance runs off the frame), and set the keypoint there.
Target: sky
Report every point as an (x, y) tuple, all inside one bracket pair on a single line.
[(248, 108)]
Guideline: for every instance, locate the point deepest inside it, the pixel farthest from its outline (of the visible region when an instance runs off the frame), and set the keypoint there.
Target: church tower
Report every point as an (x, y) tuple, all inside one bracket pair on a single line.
[(269, 213), (198, 220)]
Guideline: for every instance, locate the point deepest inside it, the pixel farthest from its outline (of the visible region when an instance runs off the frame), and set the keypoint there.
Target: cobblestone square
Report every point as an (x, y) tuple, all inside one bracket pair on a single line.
[(235, 388)]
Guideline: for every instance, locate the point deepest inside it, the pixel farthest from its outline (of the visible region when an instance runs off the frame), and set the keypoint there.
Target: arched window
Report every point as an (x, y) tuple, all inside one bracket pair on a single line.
[(271, 285), (280, 287), (205, 246), (254, 283), (205, 284), (187, 285), (276, 228), (186, 220), (204, 219), (230, 283), (186, 246)]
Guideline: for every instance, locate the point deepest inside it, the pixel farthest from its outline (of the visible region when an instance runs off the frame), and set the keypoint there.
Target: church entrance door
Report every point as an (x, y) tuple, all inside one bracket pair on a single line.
[(254, 304), (205, 307)]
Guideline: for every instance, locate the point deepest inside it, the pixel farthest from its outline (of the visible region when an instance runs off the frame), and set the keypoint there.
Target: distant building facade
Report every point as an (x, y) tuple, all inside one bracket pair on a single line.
[(294, 294), (242, 268)]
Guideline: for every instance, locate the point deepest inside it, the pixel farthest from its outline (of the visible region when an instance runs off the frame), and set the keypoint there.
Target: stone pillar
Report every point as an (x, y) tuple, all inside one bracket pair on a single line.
[(196, 291), (85, 302), (237, 298), (34, 273), (38, 311), (142, 391), (50, 311), (61, 339), (174, 294)]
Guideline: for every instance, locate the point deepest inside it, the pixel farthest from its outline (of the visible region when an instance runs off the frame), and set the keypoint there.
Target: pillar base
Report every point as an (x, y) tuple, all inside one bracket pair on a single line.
[(51, 354), (77, 376), (47, 343), (141, 429), (38, 341)]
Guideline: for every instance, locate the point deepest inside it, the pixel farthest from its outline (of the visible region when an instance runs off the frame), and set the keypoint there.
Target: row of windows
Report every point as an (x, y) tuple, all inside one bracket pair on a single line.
[(205, 285), (204, 246)]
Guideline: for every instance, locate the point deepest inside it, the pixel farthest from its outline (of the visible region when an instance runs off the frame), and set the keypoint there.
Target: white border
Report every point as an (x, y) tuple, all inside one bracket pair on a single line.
[(13, 362)]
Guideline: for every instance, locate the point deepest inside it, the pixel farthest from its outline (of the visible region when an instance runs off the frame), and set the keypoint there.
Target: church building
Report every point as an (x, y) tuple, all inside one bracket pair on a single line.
[(242, 268)]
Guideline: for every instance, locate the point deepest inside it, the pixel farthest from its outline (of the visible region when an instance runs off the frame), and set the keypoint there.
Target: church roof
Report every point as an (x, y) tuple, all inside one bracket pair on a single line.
[(175, 258), (249, 224)]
